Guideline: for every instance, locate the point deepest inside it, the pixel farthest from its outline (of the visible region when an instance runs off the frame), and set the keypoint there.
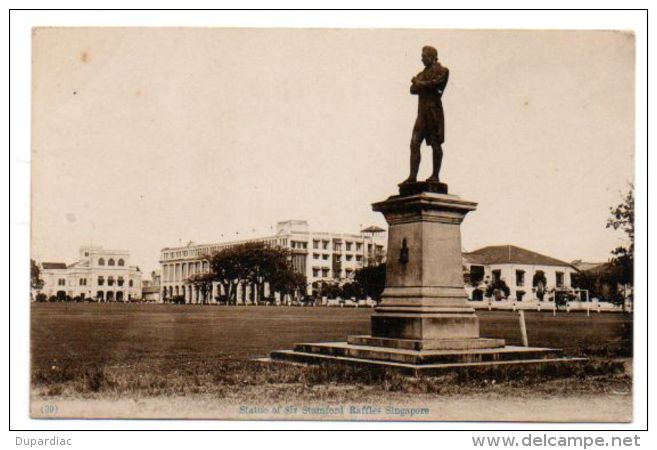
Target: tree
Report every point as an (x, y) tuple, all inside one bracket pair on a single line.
[(202, 281), (227, 270), (287, 282), (36, 283), (621, 268), (496, 288), (255, 264), (330, 290), (372, 280), (351, 290)]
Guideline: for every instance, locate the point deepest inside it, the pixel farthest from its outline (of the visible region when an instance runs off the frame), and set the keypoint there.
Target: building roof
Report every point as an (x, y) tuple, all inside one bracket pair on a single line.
[(510, 254), (594, 267), (53, 265)]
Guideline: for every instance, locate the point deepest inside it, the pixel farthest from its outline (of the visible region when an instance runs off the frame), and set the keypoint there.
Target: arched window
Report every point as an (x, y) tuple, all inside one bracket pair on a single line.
[(101, 280), (101, 262), (121, 262), (110, 281), (110, 262)]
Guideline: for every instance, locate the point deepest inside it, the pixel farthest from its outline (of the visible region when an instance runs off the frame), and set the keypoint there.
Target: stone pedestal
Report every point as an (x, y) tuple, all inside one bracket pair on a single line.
[(423, 323), (424, 297)]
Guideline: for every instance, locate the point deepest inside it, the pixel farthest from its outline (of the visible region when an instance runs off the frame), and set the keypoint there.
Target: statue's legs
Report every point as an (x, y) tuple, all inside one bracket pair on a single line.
[(437, 162), (416, 156)]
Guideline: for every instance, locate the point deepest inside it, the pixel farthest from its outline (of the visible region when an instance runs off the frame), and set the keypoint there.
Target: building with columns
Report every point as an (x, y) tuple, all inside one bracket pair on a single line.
[(320, 256), (519, 268), (105, 275)]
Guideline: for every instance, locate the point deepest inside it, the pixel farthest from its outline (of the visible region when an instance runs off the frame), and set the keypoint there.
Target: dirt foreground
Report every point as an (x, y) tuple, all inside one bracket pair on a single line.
[(615, 407)]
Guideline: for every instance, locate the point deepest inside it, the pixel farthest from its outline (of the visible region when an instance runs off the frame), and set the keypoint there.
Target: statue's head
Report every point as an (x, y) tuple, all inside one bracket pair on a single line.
[(429, 55)]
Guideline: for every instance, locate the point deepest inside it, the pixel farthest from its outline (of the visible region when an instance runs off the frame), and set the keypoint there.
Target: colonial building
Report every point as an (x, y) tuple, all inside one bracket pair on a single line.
[(105, 275), (320, 256), (526, 273)]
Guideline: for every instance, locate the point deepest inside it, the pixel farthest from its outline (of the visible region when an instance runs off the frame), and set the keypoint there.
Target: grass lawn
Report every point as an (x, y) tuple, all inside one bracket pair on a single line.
[(114, 352)]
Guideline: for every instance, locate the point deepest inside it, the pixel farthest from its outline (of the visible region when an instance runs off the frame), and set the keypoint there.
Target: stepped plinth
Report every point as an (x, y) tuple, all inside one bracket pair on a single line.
[(424, 322)]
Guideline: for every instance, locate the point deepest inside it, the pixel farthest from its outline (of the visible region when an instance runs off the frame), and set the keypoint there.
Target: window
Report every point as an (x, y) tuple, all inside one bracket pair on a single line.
[(83, 281), (539, 279), (497, 275), (359, 258), (337, 246), (101, 280), (359, 246), (325, 245), (130, 283), (110, 262), (520, 277), (316, 244), (349, 273), (350, 257), (519, 295), (61, 282), (121, 262), (325, 257), (315, 255), (120, 281), (369, 248), (325, 272), (101, 262), (348, 245), (559, 279), (315, 272), (86, 253), (476, 275), (110, 281)]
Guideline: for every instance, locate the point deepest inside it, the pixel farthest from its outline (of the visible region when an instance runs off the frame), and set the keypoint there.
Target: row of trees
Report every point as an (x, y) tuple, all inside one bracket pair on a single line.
[(250, 264), (258, 265), (368, 282)]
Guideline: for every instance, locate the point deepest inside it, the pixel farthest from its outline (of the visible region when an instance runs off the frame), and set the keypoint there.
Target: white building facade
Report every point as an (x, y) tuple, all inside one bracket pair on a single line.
[(104, 275), (523, 271), (320, 256)]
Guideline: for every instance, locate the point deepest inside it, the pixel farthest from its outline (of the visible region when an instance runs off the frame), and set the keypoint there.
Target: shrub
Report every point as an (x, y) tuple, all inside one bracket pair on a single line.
[(178, 300), (52, 298), (41, 297)]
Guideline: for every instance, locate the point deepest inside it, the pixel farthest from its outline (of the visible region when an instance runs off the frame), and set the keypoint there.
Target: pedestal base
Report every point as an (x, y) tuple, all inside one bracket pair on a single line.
[(423, 325), (422, 357)]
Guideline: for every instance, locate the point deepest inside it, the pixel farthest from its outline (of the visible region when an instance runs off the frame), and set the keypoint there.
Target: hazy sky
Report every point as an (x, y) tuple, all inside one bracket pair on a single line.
[(144, 138)]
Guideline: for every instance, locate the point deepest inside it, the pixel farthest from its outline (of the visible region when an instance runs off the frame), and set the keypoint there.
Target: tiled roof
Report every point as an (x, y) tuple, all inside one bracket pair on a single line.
[(510, 254), (53, 265)]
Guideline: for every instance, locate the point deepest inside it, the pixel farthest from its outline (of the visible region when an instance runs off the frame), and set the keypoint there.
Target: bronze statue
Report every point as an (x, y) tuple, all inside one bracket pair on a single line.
[(429, 86)]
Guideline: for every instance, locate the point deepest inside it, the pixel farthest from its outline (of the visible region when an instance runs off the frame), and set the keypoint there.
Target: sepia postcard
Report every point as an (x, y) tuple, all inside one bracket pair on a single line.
[(332, 224)]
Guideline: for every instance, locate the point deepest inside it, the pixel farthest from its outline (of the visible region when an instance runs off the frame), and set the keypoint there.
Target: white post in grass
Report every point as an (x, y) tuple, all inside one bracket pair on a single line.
[(523, 328)]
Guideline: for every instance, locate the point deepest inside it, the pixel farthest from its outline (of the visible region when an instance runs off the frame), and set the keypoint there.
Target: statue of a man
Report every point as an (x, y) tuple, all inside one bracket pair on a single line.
[(429, 86)]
